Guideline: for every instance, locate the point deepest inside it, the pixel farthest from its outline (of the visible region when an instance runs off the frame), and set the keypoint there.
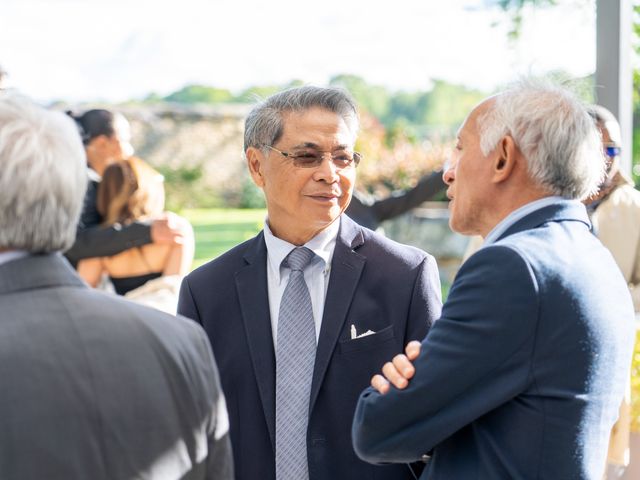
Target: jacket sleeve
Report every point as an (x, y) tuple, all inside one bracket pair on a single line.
[(108, 241), (427, 188), (186, 304), (475, 357), (426, 301)]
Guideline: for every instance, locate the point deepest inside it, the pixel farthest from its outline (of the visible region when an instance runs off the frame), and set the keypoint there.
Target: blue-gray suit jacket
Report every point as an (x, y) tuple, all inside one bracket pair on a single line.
[(375, 284), (93, 386), (523, 375)]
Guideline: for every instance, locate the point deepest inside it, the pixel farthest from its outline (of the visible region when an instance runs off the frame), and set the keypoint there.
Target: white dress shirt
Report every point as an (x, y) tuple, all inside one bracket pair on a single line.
[(518, 214), (316, 274), (11, 255)]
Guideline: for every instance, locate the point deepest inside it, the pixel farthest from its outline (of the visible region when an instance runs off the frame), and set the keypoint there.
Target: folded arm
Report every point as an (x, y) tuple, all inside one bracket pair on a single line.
[(476, 357)]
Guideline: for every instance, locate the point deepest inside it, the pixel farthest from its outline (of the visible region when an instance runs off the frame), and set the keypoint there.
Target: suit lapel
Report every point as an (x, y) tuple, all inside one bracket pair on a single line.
[(346, 268), (251, 285)]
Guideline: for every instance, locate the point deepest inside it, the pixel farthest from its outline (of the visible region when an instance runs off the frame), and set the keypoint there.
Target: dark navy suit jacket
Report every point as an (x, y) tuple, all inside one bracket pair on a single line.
[(375, 284), (523, 375)]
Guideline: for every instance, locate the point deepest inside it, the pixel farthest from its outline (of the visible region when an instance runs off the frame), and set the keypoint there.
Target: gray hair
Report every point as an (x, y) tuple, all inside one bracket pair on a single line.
[(264, 124), (554, 132), (43, 177)]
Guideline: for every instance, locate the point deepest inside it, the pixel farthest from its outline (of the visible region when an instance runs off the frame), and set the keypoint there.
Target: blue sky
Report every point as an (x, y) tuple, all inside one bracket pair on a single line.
[(82, 50)]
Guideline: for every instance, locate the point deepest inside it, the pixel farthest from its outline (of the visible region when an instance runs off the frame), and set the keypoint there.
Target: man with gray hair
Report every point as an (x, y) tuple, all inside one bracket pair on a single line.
[(93, 386), (302, 315), (523, 374)]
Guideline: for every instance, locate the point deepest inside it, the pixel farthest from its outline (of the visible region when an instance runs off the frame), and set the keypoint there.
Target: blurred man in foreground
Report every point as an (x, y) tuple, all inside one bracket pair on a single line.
[(523, 374), (93, 386)]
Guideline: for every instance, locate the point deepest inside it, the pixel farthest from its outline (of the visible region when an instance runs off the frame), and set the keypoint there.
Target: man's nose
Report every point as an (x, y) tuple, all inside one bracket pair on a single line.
[(327, 170), (448, 174)]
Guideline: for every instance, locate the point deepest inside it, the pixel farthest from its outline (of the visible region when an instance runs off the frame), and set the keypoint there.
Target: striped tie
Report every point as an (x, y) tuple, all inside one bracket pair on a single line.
[(296, 353)]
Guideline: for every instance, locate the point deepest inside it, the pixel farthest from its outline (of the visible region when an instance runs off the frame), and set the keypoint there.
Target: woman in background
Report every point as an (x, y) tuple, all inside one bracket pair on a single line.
[(131, 191), (106, 136)]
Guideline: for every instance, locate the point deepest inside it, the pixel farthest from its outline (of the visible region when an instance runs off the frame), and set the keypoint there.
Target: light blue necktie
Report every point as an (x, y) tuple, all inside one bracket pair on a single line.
[(295, 357)]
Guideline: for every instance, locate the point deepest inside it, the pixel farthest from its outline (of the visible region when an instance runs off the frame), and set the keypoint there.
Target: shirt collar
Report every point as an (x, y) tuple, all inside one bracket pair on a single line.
[(518, 214), (93, 175), (323, 245), (11, 255)]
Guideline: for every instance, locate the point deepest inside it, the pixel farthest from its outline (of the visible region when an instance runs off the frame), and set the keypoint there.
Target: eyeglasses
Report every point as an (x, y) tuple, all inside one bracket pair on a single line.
[(313, 158), (612, 150)]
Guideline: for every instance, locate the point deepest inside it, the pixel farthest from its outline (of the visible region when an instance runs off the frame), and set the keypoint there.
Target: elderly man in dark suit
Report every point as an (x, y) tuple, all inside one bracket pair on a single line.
[(302, 315), (93, 387), (523, 374)]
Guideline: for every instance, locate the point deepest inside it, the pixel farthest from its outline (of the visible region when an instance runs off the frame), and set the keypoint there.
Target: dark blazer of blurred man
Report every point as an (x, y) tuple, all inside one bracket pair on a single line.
[(93, 386), (369, 295)]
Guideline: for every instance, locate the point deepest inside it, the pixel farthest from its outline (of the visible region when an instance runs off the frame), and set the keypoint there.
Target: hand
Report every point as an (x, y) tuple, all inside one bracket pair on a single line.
[(398, 371), (168, 228)]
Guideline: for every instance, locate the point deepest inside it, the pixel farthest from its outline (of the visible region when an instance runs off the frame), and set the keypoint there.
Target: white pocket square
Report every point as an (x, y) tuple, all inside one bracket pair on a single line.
[(354, 333)]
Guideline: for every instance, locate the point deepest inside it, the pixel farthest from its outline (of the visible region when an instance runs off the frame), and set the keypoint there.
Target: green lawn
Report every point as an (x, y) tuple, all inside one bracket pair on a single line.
[(218, 230)]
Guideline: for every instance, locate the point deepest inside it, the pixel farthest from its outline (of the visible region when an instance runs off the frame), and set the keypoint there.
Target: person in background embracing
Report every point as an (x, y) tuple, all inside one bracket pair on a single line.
[(94, 386), (107, 138), (523, 374), (302, 315), (131, 190)]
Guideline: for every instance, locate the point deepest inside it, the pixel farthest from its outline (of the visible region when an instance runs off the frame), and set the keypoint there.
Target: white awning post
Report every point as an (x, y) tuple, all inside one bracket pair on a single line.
[(614, 73)]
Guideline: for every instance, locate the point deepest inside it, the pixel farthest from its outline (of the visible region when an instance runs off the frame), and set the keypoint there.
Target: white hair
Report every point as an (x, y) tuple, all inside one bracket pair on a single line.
[(554, 132), (43, 177)]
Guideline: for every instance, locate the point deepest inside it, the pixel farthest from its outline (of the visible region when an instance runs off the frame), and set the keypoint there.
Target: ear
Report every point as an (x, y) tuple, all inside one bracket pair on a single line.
[(505, 159), (255, 161)]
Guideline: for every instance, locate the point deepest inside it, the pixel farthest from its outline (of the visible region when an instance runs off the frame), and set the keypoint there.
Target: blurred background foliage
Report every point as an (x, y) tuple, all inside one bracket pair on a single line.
[(434, 111), (404, 135)]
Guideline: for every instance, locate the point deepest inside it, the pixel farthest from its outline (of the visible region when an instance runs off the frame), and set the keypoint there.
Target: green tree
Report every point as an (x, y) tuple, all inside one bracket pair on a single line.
[(200, 94), (411, 107), (449, 104), (514, 9), (373, 98), (252, 93)]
